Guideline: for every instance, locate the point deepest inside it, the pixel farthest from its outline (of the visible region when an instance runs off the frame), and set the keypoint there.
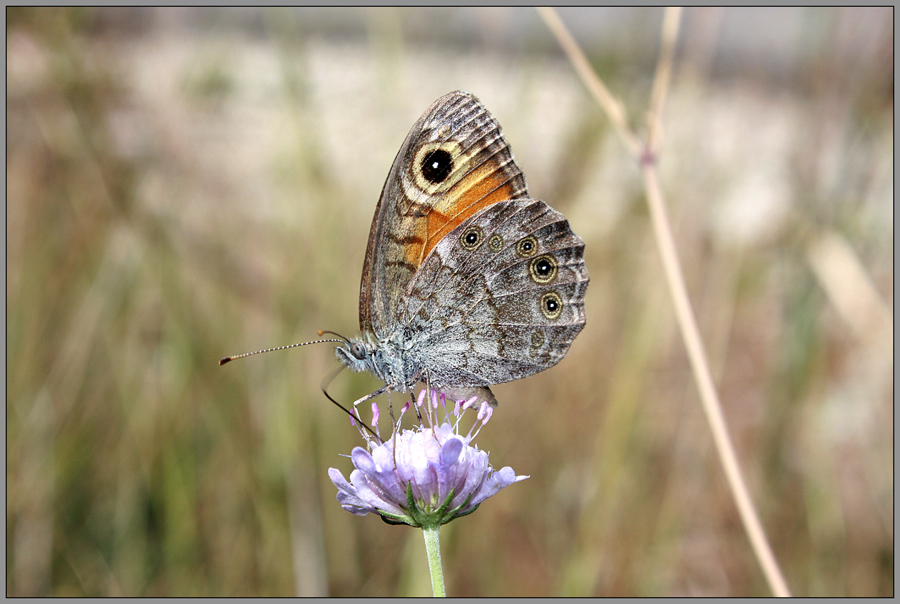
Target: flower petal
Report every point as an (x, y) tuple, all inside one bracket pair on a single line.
[(430, 462)]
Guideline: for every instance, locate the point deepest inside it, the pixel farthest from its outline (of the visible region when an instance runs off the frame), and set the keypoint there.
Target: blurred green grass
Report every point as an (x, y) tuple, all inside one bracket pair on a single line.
[(179, 189)]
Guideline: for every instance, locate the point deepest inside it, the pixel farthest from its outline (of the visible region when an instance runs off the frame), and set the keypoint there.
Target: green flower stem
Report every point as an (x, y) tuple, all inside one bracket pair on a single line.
[(433, 548)]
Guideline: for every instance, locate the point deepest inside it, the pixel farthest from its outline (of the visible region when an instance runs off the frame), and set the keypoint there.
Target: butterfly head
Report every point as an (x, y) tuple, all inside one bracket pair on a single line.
[(357, 354), (387, 359)]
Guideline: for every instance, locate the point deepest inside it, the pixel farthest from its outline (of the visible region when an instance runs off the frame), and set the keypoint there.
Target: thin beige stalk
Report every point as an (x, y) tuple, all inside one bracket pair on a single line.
[(671, 21), (611, 105), (645, 153)]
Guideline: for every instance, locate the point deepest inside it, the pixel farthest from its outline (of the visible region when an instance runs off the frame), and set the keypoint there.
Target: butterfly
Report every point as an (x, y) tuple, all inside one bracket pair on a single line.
[(467, 282)]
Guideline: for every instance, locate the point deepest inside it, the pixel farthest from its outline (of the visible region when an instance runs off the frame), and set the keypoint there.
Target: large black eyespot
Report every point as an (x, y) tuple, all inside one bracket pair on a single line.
[(551, 305), (437, 165), (543, 269), (471, 238)]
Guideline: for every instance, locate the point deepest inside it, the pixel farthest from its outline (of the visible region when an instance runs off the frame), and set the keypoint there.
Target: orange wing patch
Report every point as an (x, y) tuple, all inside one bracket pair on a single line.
[(484, 186)]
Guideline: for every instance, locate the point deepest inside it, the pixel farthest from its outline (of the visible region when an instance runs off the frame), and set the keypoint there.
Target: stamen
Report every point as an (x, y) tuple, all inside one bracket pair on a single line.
[(484, 413), (458, 412), (470, 435), (489, 411), (431, 413), (444, 405), (376, 412), (457, 407), (403, 410)]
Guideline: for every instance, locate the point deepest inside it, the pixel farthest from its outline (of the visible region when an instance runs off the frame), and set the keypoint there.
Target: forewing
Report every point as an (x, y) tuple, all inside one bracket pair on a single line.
[(454, 163)]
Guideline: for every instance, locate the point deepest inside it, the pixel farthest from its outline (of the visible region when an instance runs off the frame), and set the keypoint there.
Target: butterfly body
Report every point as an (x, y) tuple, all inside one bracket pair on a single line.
[(467, 282)]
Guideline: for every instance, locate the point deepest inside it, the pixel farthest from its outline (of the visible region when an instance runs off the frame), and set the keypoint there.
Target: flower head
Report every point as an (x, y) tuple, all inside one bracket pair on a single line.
[(425, 476)]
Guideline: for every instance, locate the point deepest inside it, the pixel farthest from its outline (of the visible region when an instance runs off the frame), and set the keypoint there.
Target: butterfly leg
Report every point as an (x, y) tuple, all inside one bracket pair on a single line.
[(357, 418), (428, 409)]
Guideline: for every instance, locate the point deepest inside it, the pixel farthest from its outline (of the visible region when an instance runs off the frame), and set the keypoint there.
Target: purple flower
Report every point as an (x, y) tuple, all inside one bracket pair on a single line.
[(425, 476)]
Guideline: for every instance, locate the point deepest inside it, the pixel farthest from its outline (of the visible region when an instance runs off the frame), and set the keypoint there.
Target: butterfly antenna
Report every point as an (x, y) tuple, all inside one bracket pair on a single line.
[(224, 360), (344, 339)]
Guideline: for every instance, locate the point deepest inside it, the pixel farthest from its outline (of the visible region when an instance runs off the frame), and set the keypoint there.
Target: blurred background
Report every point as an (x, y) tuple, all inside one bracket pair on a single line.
[(188, 183)]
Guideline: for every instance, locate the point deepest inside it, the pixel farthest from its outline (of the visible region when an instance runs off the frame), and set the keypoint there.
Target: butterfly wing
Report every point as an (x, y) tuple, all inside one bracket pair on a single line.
[(500, 298), (453, 164)]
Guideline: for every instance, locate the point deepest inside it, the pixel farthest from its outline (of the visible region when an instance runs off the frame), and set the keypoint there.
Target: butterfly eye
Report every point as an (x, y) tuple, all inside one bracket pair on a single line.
[(551, 305), (543, 269), (356, 349), (526, 247), (437, 165), (471, 238)]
